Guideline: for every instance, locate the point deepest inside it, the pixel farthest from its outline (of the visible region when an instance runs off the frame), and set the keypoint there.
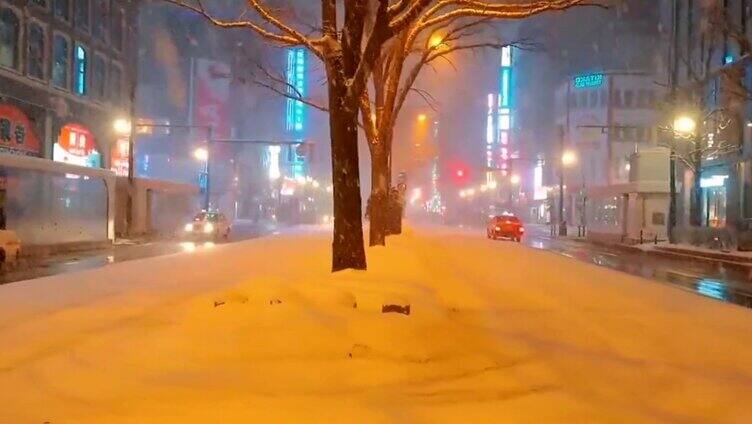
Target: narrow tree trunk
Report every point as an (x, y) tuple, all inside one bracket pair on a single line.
[(347, 246), (695, 212), (379, 196)]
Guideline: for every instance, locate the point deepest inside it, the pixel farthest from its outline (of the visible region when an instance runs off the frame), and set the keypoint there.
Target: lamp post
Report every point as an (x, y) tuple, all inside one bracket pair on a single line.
[(684, 126), (567, 158)]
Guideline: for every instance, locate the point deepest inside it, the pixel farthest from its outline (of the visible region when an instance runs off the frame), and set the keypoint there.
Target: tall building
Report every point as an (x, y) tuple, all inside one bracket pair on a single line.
[(712, 78), (66, 72)]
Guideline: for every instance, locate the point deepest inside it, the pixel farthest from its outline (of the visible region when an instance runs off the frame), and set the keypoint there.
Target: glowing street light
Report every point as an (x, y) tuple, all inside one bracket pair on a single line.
[(568, 158), (422, 117), (201, 154), (122, 126), (685, 125), (514, 179), (435, 41)]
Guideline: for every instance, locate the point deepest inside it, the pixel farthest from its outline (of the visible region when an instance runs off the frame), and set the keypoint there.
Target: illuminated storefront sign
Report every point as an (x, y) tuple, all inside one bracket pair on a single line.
[(119, 157), (16, 132), (713, 181), (296, 73), (76, 146), (539, 191), (588, 81)]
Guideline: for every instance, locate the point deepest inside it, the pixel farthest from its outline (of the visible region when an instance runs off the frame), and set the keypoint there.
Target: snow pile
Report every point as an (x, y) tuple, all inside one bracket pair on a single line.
[(261, 330)]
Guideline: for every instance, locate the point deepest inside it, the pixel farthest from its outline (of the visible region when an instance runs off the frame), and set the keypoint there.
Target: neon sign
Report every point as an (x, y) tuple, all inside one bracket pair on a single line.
[(588, 81)]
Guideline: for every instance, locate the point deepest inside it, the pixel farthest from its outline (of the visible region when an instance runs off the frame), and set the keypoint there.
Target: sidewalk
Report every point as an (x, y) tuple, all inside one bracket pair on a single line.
[(261, 330)]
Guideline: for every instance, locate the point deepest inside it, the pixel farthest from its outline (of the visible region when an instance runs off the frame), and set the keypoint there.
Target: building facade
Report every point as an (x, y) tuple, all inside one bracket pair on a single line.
[(65, 76), (605, 117), (711, 75)]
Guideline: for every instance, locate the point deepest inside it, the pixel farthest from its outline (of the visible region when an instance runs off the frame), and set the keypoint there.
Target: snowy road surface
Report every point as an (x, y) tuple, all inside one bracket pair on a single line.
[(260, 330), (721, 282), (119, 252)]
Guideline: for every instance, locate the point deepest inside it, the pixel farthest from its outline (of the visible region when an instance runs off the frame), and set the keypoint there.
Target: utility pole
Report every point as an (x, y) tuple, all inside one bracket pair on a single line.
[(673, 75), (562, 222)]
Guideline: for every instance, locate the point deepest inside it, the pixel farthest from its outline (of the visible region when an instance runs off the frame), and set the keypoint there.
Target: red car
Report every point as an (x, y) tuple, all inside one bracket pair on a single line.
[(505, 227)]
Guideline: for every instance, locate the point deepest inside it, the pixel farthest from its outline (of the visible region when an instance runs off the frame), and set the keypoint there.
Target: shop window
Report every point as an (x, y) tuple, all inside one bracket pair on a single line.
[(117, 28), (98, 77), (62, 10), (714, 207), (628, 98), (616, 98), (116, 84), (101, 19), (747, 192), (35, 46), (82, 14), (594, 99), (60, 61), (81, 70), (10, 31), (44, 4)]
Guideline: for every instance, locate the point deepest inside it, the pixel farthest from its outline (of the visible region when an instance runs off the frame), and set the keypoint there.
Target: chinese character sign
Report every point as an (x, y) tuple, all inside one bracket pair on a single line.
[(17, 133)]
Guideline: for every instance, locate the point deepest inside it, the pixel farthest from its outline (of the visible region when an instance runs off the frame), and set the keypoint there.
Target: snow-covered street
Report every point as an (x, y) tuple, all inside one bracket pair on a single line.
[(260, 330)]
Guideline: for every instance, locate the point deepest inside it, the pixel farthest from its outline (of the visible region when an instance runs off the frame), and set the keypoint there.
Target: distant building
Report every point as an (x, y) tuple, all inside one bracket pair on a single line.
[(65, 76), (606, 117)]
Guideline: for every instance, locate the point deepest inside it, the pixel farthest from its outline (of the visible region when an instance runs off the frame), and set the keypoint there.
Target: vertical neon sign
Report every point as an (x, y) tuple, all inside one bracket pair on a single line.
[(505, 111), (296, 87)]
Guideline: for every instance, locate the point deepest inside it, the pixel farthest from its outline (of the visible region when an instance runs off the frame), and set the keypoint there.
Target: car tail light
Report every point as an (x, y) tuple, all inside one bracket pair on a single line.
[(522, 229), (498, 228)]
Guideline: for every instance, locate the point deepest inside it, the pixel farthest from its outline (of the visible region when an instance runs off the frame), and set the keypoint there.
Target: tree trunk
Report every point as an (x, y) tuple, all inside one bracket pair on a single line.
[(347, 245), (379, 196), (695, 202)]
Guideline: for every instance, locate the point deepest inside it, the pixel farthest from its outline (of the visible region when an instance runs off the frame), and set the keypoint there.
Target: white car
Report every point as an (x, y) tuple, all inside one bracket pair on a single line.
[(10, 247), (208, 225)]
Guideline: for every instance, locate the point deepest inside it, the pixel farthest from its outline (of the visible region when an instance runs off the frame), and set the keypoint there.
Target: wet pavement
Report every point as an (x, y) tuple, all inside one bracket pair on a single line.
[(721, 282), (120, 252)]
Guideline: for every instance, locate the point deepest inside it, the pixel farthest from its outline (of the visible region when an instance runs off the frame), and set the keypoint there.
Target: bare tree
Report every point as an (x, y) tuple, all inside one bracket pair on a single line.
[(392, 80), (348, 38)]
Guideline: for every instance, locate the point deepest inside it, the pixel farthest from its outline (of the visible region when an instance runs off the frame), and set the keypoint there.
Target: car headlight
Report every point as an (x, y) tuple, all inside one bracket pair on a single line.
[(188, 227), (208, 228), (498, 228)]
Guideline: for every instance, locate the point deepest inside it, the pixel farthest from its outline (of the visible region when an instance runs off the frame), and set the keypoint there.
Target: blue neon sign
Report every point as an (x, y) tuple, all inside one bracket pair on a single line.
[(296, 73), (588, 81)]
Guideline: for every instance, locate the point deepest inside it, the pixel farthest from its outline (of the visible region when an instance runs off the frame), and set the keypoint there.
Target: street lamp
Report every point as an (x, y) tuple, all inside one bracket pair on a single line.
[(435, 41), (122, 126), (201, 154), (685, 125), (514, 179), (568, 158), (422, 117)]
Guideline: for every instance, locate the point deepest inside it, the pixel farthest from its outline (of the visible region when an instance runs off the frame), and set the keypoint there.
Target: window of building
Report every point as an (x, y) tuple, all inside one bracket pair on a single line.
[(629, 98), (101, 19), (80, 70), (629, 134), (117, 28), (62, 10), (60, 61), (81, 14), (44, 4), (35, 48), (98, 77), (10, 34), (640, 135), (650, 99), (616, 98), (642, 99), (116, 84)]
